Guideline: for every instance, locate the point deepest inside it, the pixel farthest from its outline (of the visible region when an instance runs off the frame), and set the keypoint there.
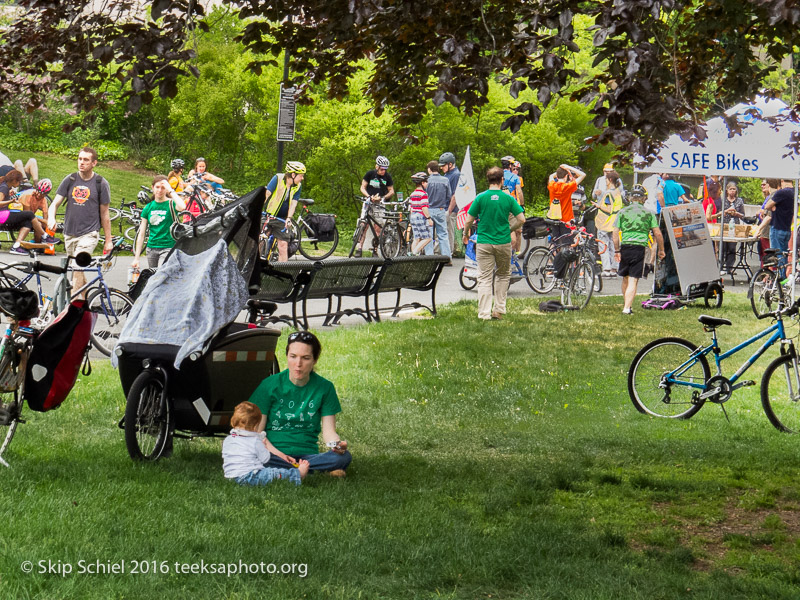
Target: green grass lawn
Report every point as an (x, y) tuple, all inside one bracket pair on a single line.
[(123, 181), (491, 460)]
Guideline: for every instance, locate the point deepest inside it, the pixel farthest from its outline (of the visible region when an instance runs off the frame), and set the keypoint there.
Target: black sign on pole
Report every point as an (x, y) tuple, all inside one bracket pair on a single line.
[(286, 115)]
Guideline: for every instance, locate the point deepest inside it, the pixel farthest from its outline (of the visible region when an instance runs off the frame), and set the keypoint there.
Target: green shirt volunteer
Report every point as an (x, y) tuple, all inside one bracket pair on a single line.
[(492, 207), (294, 414)]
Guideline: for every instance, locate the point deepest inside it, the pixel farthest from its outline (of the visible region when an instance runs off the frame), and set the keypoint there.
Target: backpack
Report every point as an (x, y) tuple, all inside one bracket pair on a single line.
[(56, 357)]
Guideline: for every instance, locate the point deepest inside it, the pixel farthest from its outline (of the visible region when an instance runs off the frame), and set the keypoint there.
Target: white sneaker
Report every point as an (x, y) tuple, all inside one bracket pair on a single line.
[(627, 312)]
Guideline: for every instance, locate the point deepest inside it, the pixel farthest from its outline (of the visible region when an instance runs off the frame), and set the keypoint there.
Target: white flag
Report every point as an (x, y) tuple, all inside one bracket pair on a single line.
[(465, 192)]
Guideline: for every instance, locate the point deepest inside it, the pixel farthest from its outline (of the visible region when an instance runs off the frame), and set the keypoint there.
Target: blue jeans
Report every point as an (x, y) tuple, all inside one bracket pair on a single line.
[(325, 461), (778, 238), (439, 217), (269, 474)]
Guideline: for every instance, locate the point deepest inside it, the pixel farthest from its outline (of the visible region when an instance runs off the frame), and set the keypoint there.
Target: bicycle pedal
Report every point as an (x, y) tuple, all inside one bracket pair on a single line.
[(747, 383)]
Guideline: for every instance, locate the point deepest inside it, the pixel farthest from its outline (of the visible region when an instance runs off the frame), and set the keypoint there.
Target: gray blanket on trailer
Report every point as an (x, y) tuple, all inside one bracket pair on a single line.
[(188, 300)]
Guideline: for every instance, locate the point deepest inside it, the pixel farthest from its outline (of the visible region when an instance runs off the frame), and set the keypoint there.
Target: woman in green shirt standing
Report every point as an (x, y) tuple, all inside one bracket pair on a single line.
[(158, 215), (297, 405)]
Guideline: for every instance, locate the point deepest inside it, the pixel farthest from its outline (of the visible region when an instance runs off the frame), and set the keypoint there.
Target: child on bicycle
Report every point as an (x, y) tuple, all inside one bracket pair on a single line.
[(244, 452), (421, 222)]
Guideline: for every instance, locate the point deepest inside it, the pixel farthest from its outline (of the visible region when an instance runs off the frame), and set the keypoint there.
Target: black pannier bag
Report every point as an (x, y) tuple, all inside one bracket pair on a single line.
[(323, 225), (533, 228), (562, 261)]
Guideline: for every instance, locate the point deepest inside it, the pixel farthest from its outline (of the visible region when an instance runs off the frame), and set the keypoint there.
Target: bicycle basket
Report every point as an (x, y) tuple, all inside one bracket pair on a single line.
[(534, 228), (323, 226)]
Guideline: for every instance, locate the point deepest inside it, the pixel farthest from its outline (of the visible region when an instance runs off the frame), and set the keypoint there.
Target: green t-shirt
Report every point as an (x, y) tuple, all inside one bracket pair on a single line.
[(492, 207), (160, 217), (634, 223), (294, 414)]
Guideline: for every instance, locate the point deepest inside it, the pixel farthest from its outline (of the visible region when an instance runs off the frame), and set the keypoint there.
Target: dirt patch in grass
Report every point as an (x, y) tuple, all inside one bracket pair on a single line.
[(126, 165), (759, 529)]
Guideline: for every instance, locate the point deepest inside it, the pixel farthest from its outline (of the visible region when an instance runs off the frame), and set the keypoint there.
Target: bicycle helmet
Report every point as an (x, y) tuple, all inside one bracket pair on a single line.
[(447, 158), (516, 165), (638, 191), (419, 177), (294, 166), (382, 161), (44, 186), (143, 197), (506, 161), (177, 164)]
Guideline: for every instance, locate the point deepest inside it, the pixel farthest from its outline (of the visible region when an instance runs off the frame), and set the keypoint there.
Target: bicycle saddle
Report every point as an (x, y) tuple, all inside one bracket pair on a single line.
[(305, 201), (19, 304), (709, 321)]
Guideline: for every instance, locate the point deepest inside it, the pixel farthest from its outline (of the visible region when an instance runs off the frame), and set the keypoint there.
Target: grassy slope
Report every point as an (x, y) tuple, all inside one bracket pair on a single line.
[(498, 459), (124, 183)]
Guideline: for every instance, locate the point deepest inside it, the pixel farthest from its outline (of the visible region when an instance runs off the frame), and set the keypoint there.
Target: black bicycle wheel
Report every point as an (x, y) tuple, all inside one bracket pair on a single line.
[(580, 285), (10, 410), (648, 388), (147, 421), (7, 280), (390, 240), (538, 269), (713, 295), (780, 394), (311, 247), (111, 317), (763, 292), (468, 283), (357, 234)]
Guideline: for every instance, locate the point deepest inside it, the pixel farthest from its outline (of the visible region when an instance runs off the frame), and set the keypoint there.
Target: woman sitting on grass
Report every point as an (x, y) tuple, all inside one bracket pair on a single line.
[(296, 405), (159, 215)]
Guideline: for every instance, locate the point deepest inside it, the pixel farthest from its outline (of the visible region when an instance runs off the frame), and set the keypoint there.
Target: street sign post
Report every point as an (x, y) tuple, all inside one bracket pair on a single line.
[(286, 115)]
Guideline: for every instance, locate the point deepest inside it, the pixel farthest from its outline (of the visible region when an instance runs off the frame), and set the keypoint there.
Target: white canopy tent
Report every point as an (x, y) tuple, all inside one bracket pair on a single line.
[(759, 151)]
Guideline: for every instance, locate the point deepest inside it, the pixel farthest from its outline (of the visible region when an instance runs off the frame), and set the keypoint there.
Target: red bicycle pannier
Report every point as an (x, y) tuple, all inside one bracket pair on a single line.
[(56, 357)]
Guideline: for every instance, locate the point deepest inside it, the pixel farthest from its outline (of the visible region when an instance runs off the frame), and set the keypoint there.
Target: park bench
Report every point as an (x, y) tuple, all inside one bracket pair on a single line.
[(420, 273), (296, 282)]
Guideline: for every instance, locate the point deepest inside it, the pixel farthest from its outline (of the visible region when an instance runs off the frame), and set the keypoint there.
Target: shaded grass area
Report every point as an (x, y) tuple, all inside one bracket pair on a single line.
[(498, 459)]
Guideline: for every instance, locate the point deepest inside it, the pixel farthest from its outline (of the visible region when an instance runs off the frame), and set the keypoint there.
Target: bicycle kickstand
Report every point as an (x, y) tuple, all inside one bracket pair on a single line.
[(725, 412)]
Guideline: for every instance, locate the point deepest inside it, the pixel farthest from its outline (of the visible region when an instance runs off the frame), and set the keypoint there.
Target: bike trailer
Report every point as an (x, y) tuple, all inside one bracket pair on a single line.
[(207, 387)]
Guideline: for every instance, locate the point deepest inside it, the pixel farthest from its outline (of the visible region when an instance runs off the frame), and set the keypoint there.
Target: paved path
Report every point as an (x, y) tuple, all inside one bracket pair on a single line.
[(448, 289)]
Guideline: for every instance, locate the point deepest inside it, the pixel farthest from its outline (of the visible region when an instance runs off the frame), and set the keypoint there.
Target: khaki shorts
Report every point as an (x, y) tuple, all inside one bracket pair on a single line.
[(81, 243)]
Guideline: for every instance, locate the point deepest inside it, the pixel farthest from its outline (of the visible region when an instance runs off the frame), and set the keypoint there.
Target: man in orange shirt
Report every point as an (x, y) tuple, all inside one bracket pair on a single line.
[(561, 184)]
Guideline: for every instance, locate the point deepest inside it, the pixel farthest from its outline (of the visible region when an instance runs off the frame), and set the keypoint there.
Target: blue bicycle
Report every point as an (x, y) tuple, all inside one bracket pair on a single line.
[(670, 377)]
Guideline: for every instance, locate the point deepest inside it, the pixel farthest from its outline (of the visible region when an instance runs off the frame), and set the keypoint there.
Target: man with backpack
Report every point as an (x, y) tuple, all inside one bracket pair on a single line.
[(87, 195)]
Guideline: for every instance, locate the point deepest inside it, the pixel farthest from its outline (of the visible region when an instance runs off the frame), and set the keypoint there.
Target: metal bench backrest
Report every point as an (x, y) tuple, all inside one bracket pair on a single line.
[(344, 277), (282, 281), (408, 272)]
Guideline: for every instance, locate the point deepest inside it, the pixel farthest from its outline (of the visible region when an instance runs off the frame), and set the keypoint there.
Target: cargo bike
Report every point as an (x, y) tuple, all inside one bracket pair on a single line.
[(175, 390)]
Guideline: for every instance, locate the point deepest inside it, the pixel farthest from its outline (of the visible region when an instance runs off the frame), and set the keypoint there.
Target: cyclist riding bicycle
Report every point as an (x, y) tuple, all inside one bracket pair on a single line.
[(283, 192), (378, 186)]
